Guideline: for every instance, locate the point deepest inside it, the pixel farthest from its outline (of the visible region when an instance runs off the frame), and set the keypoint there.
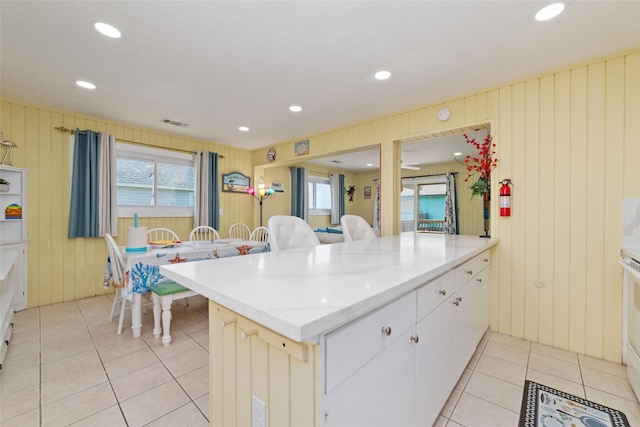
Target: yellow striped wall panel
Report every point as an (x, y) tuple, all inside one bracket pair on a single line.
[(567, 139), (62, 269)]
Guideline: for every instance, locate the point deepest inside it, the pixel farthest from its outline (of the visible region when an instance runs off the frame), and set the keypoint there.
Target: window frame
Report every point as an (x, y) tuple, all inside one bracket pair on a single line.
[(315, 179), (137, 152)]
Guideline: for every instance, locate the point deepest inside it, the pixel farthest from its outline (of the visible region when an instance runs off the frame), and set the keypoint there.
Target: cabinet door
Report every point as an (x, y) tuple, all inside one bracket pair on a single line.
[(434, 362), (465, 313), (380, 393), (18, 281)]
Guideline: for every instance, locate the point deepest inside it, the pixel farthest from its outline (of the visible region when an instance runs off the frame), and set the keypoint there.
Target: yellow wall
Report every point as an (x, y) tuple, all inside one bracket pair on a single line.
[(62, 269), (568, 141)]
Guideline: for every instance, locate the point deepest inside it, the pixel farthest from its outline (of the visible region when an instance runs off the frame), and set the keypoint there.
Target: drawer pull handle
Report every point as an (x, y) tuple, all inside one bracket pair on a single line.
[(459, 299), (415, 339), (479, 280), (247, 334), (469, 272), (485, 259), (386, 330), (443, 292), (456, 303), (224, 323)]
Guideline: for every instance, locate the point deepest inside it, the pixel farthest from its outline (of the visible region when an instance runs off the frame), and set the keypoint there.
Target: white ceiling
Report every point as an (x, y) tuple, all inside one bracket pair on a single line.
[(216, 65)]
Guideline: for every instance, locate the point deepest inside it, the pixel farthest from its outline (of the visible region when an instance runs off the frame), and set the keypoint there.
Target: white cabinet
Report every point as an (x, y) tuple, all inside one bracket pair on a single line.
[(8, 277), (435, 333), (405, 377), (13, 229)]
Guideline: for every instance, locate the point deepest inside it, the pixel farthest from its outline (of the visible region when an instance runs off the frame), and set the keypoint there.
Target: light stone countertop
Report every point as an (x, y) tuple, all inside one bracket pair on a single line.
[(304, 294)]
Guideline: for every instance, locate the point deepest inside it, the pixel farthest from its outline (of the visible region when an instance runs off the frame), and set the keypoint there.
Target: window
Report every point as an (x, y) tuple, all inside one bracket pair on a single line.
[(427, 205), (154, 182), (319, 195)]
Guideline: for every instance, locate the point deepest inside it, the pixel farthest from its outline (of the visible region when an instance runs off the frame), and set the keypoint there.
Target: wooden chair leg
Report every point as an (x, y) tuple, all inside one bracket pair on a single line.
[(114, 304), (123, 307)]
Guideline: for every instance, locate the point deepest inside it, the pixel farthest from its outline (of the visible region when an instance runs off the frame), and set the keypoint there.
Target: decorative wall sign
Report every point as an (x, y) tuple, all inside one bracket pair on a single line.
[(302, 148), (367, 192), (278, 187), (235, 182), (271, 155)]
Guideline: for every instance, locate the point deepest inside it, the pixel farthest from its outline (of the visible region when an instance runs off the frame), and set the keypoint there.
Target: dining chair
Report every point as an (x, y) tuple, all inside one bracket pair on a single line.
[(161, 234), (239, 231), (163, 296), (118, 272), (355, 227), (260, 234), (290, 232), (204, 232)]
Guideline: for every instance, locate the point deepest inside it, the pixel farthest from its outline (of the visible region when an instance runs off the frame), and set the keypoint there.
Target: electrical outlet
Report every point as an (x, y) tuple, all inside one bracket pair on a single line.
[(258, 412)]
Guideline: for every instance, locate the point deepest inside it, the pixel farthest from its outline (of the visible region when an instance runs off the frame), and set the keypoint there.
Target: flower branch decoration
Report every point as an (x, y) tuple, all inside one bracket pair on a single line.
[(483, 164)]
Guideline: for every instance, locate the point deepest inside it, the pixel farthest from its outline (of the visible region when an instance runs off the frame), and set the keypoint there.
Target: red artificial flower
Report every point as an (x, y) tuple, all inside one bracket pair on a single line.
[(484, 163)]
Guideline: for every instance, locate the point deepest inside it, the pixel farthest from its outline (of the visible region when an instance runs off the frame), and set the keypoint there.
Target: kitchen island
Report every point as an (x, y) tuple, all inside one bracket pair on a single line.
[(372, 332)]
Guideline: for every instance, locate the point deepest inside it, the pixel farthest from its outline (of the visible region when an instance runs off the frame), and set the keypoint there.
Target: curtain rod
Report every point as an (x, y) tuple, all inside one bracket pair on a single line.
[(73, 132)]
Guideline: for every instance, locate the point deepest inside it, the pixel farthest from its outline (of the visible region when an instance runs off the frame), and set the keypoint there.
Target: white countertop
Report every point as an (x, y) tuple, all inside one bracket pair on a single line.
[(303, 294)]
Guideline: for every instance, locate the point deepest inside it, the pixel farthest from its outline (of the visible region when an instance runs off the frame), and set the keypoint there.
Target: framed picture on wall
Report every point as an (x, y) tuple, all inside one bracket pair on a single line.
[(367, 192), (302, 148), (235, 182)]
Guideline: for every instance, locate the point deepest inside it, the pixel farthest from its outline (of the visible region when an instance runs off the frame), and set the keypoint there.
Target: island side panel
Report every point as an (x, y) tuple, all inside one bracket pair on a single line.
[(247, 359)]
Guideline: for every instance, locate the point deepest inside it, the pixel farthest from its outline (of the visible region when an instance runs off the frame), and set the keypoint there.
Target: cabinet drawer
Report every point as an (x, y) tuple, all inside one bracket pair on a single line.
[(434, 293), (350, 347), (471, 268)]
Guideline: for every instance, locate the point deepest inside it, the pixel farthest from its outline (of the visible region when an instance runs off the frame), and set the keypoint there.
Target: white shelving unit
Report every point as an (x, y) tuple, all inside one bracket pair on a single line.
[(13, 250)]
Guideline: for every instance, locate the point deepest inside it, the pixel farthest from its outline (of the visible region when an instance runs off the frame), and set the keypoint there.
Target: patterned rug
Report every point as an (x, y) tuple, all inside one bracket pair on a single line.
[(544, 406)]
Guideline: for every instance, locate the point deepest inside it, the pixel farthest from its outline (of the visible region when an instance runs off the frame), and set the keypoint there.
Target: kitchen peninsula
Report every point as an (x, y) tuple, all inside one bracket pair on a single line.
[(373, 332)]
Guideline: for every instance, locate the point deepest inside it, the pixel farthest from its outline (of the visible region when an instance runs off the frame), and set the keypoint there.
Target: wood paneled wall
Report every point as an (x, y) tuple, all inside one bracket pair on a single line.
[(568, 141), (63, 269)]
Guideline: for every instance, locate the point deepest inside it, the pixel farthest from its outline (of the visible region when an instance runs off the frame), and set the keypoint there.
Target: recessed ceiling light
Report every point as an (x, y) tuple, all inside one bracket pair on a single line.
[(107, 30), (85, 85), (382, 75), (369, 164), (295, 108), (550, 11), (243, 129), (457, 154)]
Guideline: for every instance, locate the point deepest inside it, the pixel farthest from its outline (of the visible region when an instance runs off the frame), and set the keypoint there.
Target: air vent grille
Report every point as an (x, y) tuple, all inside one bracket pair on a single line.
[(175, 123)]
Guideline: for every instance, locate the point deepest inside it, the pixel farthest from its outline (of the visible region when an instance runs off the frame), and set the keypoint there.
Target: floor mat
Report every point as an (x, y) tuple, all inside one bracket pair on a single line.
[(544, 406)]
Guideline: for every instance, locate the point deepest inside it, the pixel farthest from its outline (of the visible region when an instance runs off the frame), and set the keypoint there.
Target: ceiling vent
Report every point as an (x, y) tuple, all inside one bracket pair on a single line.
[(336, 161), (175, 123)]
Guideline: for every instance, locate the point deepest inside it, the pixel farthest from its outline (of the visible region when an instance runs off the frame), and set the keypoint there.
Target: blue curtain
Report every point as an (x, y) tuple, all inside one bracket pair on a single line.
[(85, 185), (298, 192), (214, 195)]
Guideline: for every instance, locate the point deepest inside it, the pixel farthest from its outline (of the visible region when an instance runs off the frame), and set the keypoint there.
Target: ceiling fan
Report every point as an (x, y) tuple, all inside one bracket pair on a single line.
[(414, 166)]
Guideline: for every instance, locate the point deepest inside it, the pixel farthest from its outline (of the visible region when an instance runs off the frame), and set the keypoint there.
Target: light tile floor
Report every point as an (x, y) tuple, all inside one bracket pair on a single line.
[(66, 366)]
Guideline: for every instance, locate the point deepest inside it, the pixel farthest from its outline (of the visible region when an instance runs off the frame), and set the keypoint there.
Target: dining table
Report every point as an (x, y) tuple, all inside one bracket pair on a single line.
[(142, 268)]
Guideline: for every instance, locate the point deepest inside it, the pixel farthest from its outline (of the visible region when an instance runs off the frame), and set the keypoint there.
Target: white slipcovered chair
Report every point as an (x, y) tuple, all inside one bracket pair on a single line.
[(162, 234), (355, 227), (260, 234), (118, 269), (203, 232), (290, 232), (239, 231)]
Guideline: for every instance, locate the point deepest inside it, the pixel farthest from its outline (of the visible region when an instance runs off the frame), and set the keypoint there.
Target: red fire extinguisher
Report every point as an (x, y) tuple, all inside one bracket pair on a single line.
[(505, 198)]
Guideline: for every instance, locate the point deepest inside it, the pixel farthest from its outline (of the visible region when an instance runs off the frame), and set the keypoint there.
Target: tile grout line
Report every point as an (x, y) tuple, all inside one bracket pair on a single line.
[(95, 347)]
